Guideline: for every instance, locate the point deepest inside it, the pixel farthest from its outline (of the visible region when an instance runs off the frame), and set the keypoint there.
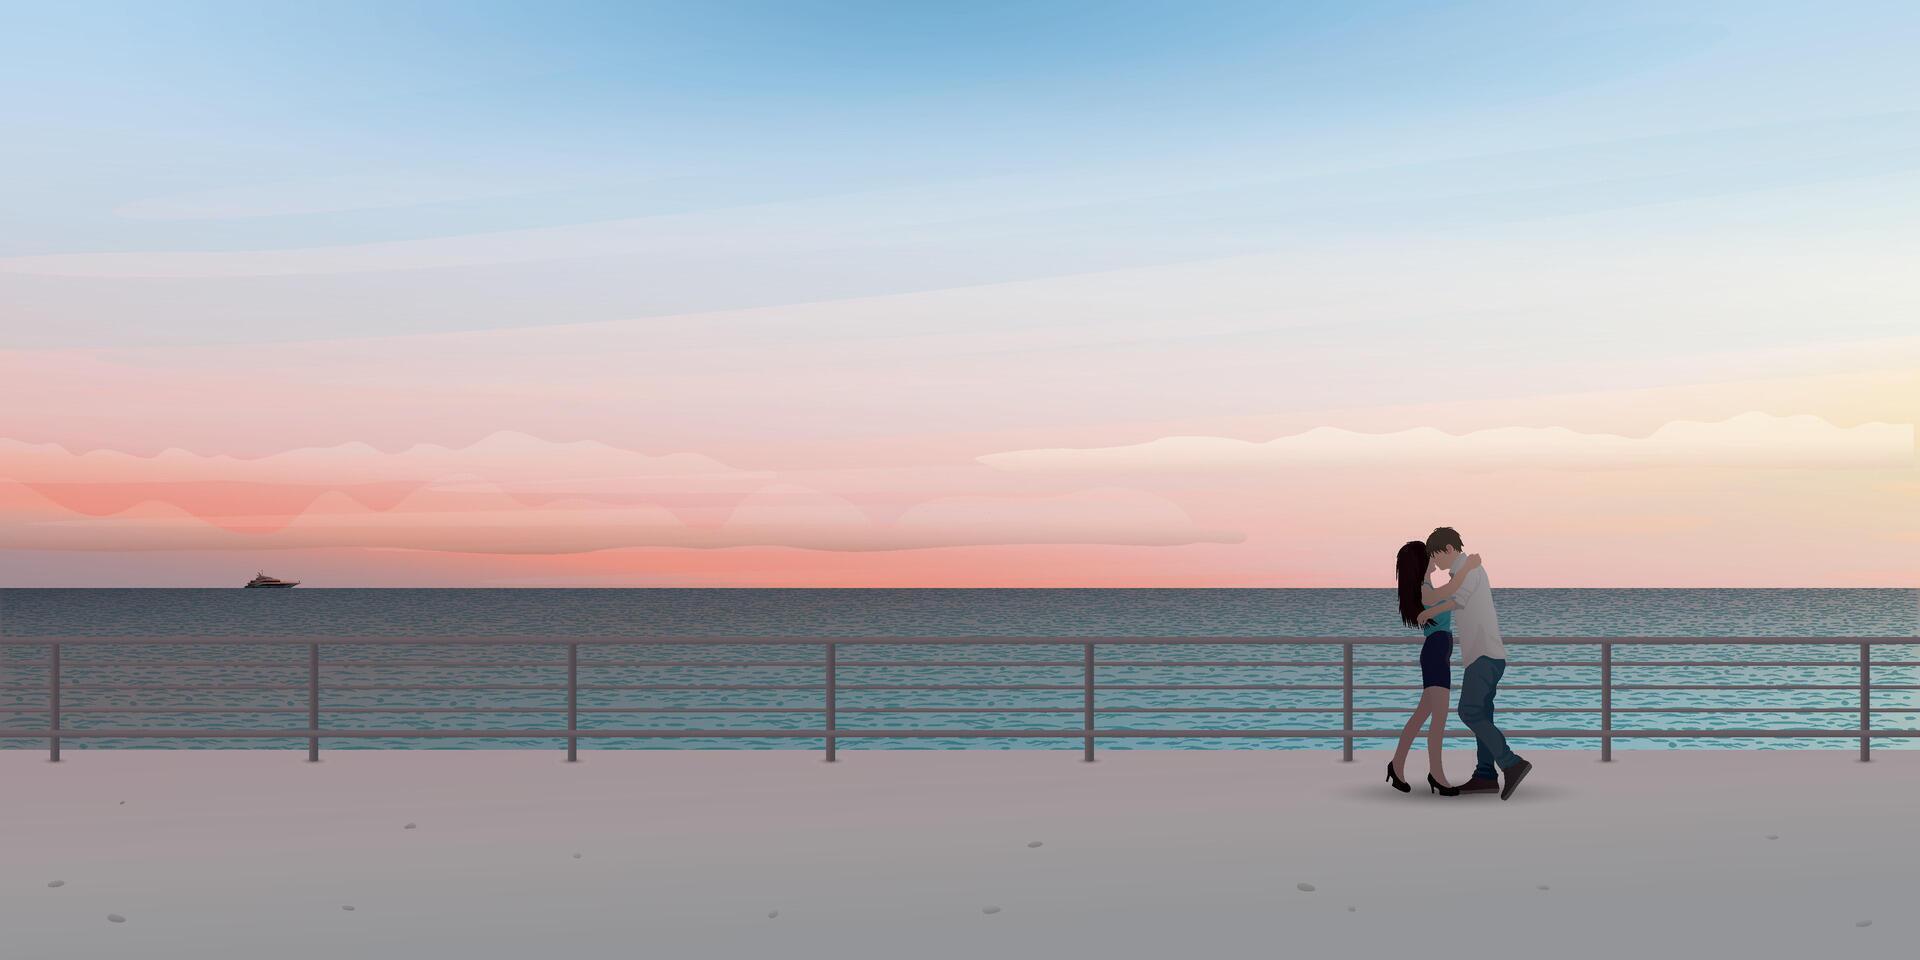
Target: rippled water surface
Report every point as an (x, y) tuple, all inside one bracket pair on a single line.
[(770, 687)]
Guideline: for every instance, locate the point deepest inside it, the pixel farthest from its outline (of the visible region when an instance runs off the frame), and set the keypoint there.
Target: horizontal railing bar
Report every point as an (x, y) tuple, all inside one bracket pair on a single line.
[(970, 709), (72, 663), (685, 710), (66, 710), (1760, 686), (456, 688), (1324, 686), (585, 664), (176, 687), (1841, 733), (765, 664), (1407, 709), (557, 710), (952, 687), (1853, 664), (1377, 664), (959, 687), (1850, 664), (699, 686), (1244, 663), (910, 710), (1721, 709), (843, 664), (484, 734), (1076, 733), (1172, 686), (1055, 640), (817, 664)]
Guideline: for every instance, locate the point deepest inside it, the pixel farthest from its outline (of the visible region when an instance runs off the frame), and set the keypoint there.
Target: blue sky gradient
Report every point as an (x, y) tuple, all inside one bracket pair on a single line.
[(563, 113)]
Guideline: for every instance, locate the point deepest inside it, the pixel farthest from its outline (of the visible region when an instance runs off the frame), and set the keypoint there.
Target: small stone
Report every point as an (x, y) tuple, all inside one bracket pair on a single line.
[(1031, 844), (1351, 909), (989, 909), (1863, 923), (1773, 836), (1305, 887), (116, 918), (348, 907), (56, 883), (576, 856), (1542, 887), (123, 803), (411, 826), (772, 913)]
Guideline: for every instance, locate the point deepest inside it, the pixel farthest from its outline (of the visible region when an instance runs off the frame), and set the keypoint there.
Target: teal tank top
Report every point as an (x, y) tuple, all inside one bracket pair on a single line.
[(1440, 622)]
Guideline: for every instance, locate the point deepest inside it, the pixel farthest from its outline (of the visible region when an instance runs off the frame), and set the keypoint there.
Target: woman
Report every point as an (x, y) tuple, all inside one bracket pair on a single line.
[(1431, 609)]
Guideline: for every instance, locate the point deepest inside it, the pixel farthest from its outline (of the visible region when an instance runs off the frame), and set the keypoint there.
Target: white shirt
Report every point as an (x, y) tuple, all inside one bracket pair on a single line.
[(1476, 627)]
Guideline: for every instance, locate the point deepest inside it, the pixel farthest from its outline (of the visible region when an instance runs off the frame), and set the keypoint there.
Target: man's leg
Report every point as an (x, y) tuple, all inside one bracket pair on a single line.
[(1473, 700), (1479, 683)]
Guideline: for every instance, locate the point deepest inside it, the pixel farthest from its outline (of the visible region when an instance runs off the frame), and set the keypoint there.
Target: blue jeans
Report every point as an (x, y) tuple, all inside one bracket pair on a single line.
[(1478, 684)]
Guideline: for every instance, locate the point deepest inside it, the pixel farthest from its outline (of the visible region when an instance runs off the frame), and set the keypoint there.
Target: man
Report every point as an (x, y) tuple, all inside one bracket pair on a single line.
[(1477, 629)]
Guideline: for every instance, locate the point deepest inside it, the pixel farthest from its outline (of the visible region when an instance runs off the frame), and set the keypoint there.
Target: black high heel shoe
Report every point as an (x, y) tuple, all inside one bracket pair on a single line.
[(1394, 778), (1433, 786)]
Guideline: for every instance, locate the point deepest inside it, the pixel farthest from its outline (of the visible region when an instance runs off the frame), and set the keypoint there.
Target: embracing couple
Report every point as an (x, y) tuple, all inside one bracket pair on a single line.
[(1463, 610)]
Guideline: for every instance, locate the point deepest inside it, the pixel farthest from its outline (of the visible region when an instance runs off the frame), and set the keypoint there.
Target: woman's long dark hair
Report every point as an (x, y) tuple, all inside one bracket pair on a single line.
[(1410, 573)]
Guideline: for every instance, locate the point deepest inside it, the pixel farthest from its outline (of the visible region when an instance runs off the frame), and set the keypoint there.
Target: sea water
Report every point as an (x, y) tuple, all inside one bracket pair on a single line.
[(115, 686)]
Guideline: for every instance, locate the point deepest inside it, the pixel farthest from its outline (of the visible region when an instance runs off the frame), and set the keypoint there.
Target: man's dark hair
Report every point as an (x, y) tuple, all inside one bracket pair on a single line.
[(1442, 538)]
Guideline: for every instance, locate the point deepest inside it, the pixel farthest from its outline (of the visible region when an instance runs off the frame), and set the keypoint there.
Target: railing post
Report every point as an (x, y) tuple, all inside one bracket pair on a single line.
[(1086, 717), (1346, 749), (1606, 702), (832, 711), (1866, 703), (53, 703), (313, 702), (573, 702)]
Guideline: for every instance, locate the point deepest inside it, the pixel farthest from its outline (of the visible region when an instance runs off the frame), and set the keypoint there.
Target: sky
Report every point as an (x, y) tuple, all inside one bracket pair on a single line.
[(958, 294)]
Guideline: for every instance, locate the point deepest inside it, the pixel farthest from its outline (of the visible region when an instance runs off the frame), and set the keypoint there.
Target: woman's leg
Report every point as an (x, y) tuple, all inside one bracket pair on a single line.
[(1407, 734), (1434, 701)]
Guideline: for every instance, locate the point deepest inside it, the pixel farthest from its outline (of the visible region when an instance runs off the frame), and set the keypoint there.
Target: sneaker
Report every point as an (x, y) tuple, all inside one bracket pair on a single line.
[(1515, 774), (1480, 785)]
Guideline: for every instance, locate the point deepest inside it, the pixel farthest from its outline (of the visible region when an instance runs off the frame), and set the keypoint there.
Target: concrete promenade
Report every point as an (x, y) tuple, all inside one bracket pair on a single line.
[(898, 855)]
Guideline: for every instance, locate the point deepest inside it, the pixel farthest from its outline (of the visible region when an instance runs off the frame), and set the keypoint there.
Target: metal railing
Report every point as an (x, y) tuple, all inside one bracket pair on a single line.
[(829, 687)]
